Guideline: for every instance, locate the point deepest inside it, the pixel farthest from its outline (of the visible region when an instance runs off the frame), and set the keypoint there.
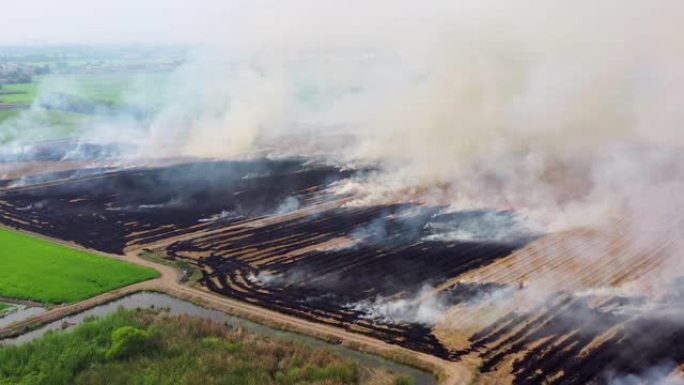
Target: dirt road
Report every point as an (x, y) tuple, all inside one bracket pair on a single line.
[(452, 373)]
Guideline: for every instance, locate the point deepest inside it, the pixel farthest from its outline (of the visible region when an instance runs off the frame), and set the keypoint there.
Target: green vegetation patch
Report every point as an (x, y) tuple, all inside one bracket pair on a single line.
[(111, 88), (151, 347), (116, 88), (39, 270), (6, 308), (21, 93), (6, 114), (41, 124)]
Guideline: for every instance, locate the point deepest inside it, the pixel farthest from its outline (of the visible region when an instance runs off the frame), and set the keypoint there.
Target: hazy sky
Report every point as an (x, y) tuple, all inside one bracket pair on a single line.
[(235, 22), (114, 21)]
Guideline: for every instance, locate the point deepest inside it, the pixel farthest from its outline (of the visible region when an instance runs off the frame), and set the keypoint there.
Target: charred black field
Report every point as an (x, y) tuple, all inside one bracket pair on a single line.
[(589, 340), (303, 267), (109, 209)]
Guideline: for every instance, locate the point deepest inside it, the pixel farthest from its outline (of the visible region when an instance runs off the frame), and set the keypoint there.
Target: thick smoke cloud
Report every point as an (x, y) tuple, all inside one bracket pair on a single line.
[(462, 103), (567, 112)]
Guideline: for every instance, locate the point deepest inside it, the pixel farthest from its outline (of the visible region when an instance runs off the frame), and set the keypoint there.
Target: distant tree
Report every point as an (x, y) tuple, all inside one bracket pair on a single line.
[(18, 77), (42, 70)]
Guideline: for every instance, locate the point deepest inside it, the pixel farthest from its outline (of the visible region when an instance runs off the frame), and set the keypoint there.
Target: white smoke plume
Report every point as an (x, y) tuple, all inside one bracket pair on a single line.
[(424, 307), (664, 374), (287, 205)]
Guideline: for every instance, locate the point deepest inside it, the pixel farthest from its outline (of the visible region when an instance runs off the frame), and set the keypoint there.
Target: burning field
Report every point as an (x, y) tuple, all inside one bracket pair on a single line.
[(321, 266), (475, 285), (580, 307), (491, 184)]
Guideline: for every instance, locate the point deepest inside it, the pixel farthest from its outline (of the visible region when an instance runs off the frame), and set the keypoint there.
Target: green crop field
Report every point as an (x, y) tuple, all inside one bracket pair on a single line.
[(39, 270)]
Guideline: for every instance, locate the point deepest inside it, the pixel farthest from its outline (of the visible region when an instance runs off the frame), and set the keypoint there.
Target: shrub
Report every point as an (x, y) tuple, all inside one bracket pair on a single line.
[(126, 341)]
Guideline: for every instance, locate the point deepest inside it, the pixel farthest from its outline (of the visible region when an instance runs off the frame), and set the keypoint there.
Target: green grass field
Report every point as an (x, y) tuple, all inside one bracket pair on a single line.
[(39, 270)]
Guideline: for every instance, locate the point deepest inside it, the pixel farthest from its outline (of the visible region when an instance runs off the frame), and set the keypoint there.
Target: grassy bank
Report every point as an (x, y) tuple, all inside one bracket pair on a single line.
[(38, 270), (150, 347)]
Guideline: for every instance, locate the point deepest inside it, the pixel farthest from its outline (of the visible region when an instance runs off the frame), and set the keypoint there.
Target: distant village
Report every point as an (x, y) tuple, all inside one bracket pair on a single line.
[(19, 72)]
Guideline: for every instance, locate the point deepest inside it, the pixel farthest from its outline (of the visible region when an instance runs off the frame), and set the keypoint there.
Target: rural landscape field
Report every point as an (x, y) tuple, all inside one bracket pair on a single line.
[(314, 192)]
